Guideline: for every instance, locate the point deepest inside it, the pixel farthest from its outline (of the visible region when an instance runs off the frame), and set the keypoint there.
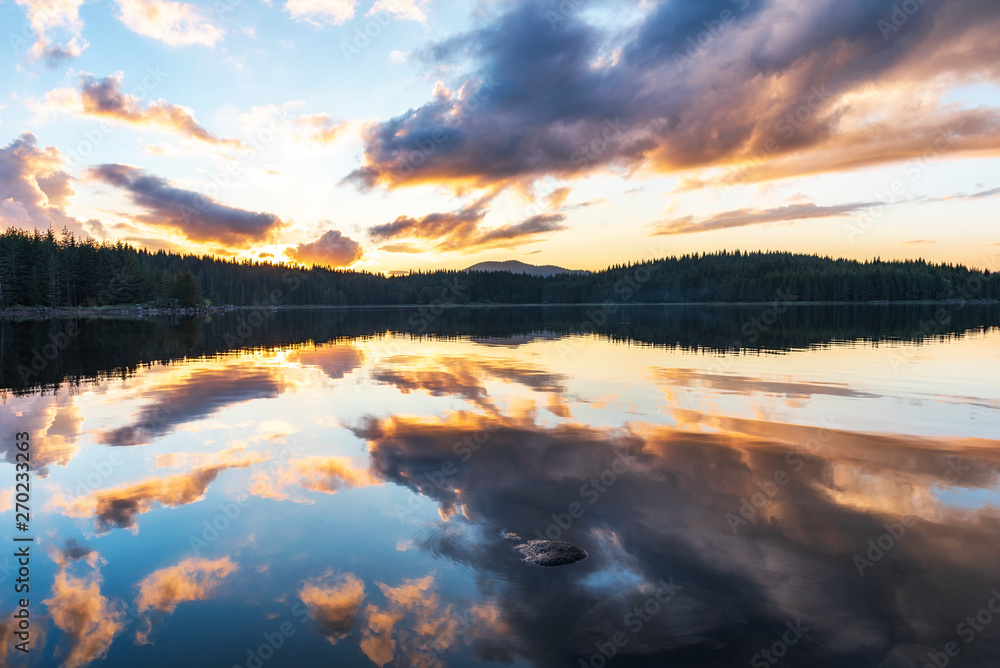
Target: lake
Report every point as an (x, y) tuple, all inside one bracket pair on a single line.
[(757, 485)]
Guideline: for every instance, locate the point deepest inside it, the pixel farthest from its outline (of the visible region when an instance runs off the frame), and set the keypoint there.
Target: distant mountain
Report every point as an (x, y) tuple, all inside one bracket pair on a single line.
[(518, 267)]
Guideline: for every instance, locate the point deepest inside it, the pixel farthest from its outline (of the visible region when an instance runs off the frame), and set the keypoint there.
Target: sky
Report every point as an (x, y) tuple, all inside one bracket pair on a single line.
[(425, 134)]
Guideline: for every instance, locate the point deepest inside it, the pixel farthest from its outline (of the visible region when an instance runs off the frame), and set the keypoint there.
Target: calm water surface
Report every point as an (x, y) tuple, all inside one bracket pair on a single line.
[(754, 487)]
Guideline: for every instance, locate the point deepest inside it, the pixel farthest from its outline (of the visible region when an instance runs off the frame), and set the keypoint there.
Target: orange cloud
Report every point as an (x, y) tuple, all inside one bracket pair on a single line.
[(328, 475), (332, 249), (119, 507), (89, 620), (34, 187), (415, 628), (333, 603), (323, 129), (104, 98), (192, 579), (336, 361)]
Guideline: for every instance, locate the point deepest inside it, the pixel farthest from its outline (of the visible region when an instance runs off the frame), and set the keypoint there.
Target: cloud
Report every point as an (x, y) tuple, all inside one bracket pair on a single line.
[(327, 475), (336, 361), (173, 23), (89, 620), (744, 217), (460, 223), (197, 395), (461, 230), (56, 422), (193, 579), (333, 602), (331, 249), (73, 551), (322, 128), (196, 216), (34, 188), (453, 376), (103, 98), (413, 627), (409, 10), (47, 16), (55, 54), (557, 197), (785, 90), (746, 385), (985, 193), (509, 235), (120, 506), (918, 242), (317, 12), (774, 566)]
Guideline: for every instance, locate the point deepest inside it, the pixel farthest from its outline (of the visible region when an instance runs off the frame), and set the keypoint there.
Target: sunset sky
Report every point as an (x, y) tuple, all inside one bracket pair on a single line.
[(406, 134)]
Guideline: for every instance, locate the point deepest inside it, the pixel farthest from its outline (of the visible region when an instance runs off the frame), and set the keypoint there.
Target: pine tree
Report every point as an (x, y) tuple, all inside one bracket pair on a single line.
[(186, 290)]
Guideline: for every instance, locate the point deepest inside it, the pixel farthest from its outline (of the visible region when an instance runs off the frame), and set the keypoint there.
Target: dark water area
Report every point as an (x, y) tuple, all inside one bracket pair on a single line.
[(749, 486), (37, 354)]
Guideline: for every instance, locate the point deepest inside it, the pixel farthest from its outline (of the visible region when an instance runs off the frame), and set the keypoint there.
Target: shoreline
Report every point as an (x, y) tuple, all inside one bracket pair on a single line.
[(44, 313)]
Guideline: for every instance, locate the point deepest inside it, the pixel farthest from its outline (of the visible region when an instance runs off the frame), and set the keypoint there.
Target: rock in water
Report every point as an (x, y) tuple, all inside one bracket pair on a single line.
[(551, 552)]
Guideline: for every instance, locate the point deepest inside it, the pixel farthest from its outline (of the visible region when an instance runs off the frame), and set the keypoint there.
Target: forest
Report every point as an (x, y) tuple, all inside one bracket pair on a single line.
[(46, 269), (114, 346)]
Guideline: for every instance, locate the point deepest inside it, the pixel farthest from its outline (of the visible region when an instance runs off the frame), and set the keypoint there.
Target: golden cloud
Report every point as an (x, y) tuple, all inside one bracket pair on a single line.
[(192, 579)]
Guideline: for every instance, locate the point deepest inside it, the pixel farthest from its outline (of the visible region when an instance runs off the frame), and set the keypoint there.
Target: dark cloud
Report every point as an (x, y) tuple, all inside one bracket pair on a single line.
[(104, 97), (56, 54), (665, 514), (463, 377), (73, 551), (772, 88), (460, 223), (461, 230), (540, 224), (331, 249), (199, 395), (196, 216), (744, 217)]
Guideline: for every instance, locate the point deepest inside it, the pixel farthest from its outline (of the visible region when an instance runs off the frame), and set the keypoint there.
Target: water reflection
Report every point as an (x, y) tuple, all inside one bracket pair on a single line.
[(355, 503)]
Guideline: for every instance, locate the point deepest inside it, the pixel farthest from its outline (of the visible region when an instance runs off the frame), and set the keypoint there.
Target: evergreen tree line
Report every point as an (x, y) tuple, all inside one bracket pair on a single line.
[(45, 269), (42, 353)]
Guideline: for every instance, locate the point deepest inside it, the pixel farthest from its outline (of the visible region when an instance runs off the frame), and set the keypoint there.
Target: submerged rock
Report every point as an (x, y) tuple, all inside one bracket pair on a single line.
[(551, 552)]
